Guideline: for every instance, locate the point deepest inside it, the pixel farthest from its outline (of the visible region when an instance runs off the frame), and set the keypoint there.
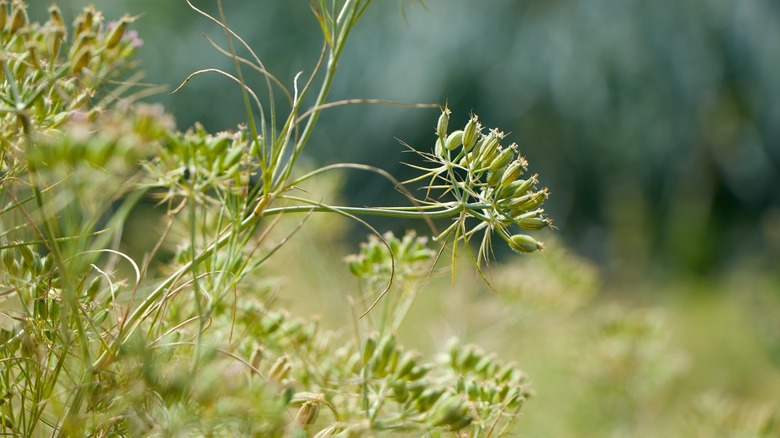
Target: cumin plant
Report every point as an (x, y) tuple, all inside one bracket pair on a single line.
[(96, 343)]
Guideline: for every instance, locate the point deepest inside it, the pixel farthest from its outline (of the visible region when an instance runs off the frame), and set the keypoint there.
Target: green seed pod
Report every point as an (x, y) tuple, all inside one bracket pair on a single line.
[(416, 388), (369, 347), (234, 155), (55, 15), (400, 392), (533, 223), (505, 193), (472, 389), (55, 308), (406, 363), (428, 397), (512, 172), (89, 16), (471, 133), (524, 243), (19, 18), (358, 266), (280, 369), (503, 159), (80, 60), (116, 34), (526, 185), (438, 149), (41, 304), (307, 414), (386, 347), (465, 421), (488, 392), (54, 40), (442, 124), (484, 364), (3, 14), (27, 256), (515, 397), (490, 145), (468, 357), (528, 202), (494, 177), (419, 371), (454, 140), (450, 411), (257, 356), (32, 53), (8, 258)]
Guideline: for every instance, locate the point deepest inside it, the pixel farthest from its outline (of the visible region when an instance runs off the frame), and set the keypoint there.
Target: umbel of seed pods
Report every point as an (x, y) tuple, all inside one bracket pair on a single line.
[(493, 175)]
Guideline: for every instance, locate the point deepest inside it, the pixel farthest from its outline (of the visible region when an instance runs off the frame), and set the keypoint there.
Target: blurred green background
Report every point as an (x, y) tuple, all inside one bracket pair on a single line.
[(656, 126)]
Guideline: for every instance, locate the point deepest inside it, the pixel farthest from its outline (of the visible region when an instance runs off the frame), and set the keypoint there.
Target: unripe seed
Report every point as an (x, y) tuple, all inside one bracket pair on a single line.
[(405, 364), (529, 201), (512, 172), (428, 397), (280, 369), (307, 414), (400, 391), (369, 347), (118, 32), (19, 19), (533, 223), (524, 243), (27, 255), (471, 133), (503, 159), (80, 60), (55, 15), (419, 371), (3, 14), (8, 258), (472, 390), (450, 412), (257, 356), (494, 177), (442, 124), (454, 140)]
